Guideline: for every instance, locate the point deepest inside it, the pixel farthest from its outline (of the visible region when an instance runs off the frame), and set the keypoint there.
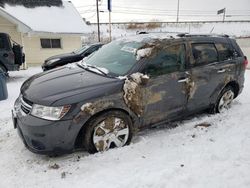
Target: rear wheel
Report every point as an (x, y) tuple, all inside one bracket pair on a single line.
[(224, 100), (109, 130)]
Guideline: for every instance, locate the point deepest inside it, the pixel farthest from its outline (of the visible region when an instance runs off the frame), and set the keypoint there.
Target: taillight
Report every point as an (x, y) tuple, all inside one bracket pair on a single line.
[(245, 61)]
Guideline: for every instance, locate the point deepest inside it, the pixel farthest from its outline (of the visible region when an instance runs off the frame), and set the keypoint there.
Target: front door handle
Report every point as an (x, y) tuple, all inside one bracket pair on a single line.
[(221, 71), (183, 80)]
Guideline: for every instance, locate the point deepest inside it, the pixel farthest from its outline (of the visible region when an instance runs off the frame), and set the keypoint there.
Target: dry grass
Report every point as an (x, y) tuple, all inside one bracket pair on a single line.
[(151, 25)]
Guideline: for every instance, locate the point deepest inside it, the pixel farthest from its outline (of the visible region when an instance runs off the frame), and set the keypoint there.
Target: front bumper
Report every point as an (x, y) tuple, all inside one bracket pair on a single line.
[(46, 137)]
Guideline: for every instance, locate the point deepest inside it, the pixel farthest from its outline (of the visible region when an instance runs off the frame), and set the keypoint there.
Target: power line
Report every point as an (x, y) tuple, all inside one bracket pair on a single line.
[(87, 18), (85, 6)]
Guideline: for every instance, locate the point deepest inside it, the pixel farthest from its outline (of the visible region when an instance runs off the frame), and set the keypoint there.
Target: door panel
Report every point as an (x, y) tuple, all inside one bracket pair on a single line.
[(164, 98), (209, 77)]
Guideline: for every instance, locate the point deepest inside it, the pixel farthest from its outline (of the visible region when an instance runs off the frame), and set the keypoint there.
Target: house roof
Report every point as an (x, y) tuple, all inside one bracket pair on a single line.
[(63, 19), (31, 3)]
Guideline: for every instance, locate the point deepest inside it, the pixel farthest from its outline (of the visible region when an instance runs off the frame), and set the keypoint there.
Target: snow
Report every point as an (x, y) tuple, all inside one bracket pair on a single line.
[(184, 156), (64, 19), (237, 29), (145, 52)]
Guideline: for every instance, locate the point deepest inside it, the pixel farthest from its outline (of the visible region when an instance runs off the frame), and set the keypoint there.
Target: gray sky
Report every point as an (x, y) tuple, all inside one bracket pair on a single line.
[(164, 10)]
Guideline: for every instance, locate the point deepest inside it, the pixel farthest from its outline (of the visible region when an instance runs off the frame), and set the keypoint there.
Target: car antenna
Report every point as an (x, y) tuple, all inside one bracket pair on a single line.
[(212, 29)]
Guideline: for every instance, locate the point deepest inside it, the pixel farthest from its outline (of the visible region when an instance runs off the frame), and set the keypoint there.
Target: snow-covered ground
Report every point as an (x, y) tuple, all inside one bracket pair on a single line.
[(185, 156)]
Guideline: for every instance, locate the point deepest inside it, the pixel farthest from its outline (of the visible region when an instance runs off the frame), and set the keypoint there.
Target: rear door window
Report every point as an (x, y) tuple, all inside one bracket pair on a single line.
[(225, 51), (204, 53), (169, 59)]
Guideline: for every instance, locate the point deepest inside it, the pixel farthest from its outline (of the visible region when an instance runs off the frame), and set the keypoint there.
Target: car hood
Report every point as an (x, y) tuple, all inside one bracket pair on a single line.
[(67, 85), (62, 56)]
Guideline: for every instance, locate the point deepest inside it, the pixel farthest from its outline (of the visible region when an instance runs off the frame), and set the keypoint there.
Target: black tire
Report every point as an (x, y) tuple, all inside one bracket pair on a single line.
[(216, 107), (95, 121)]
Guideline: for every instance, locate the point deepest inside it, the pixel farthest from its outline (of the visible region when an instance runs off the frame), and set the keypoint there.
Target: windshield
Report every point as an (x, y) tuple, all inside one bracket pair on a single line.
[(81, 50), (117, 57)]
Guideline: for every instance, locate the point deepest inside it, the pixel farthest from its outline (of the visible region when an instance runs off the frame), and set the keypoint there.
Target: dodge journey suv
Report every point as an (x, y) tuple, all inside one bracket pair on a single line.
[(128, 84)]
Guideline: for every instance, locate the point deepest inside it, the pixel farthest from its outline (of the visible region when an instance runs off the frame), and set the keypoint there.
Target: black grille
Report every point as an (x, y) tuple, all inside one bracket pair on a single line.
[(25, 110)]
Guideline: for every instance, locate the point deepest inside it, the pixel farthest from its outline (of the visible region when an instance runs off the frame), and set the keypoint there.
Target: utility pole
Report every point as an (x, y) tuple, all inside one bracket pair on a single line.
[(224, 14), (110, 37), (110, 9), (178, 9), (98, 22)]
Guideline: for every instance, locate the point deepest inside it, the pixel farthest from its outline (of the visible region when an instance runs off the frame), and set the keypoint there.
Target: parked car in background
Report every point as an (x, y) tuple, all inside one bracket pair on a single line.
[(77, 55), (11, 55), (127, 85)]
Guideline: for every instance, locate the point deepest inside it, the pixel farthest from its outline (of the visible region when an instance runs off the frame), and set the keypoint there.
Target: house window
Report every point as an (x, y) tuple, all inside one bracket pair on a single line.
[(51, 43)]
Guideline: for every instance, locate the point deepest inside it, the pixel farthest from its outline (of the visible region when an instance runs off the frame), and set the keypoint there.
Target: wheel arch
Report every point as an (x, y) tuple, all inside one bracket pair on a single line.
[(235, 85), (78, 143)]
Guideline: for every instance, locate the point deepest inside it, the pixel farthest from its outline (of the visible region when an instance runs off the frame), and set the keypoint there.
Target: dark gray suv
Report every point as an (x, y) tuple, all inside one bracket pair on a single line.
[(129, 84)]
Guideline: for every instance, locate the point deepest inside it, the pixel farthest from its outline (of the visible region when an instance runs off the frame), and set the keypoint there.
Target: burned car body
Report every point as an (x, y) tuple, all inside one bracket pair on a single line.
[(128, 84)]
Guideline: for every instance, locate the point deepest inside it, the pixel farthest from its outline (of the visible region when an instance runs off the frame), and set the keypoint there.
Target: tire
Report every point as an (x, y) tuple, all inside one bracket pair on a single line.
[(224, 100), (103, 132)]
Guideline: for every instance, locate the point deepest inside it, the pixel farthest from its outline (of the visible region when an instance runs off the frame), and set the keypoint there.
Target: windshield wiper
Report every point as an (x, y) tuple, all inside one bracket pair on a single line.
[(88, 67), (97, 68)]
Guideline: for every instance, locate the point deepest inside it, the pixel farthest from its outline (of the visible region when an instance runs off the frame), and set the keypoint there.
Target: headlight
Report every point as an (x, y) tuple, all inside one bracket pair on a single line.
[(49, 113), (52, 61)]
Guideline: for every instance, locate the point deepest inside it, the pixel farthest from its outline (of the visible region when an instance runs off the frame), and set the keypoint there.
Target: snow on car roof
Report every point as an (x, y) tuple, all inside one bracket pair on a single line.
[(148, 37), (54, 19)]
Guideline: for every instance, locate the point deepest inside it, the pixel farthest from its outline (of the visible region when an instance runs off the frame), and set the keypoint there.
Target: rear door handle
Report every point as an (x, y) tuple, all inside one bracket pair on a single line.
[(221, 71), (183, 80)]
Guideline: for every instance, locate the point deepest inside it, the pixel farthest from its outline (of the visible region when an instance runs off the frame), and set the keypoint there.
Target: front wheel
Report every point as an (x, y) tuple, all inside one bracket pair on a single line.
[(109, 130)]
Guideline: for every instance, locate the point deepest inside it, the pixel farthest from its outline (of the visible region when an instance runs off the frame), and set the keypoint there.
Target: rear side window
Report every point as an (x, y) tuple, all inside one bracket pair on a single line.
[(169, 59), (225, 51), (204, 53)]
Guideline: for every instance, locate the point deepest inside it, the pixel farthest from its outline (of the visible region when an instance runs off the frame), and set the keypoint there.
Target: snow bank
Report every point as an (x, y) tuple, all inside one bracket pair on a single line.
[(238, 29)]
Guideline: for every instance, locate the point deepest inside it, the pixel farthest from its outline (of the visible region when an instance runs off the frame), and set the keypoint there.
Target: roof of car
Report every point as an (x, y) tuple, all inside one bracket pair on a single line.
[(147, 37)]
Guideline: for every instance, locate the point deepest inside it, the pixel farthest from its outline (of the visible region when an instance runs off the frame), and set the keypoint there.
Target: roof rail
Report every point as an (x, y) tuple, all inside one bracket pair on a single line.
[(141, 32), (201, 35), (158, 32)]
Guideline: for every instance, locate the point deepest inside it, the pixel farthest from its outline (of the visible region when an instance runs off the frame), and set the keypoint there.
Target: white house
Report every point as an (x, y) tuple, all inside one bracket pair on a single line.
[(43, 30)]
